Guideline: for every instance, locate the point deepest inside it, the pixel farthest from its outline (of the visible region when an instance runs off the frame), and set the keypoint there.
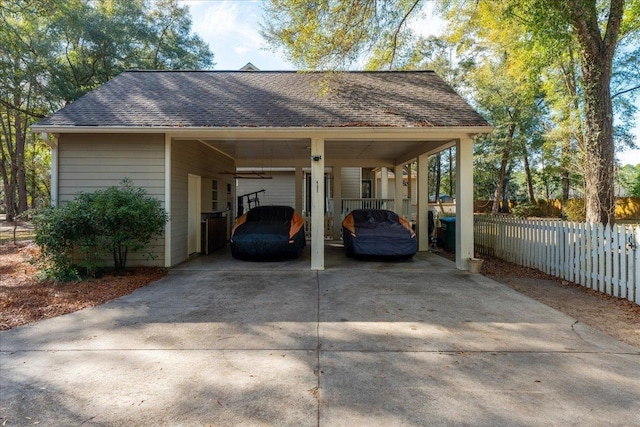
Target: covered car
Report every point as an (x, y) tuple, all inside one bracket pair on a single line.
[(268, 233), (378, 233)]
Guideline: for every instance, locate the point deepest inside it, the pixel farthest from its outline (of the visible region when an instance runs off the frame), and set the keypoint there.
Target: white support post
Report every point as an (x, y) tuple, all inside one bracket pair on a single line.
[(422, 217), (397, 171), (167, 199), (337, 202), (317, 203), (464, 202), (298, 190), (384, 183)]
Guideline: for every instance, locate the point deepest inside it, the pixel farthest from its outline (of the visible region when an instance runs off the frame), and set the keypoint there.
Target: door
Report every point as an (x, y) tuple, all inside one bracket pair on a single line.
[(193, 214)]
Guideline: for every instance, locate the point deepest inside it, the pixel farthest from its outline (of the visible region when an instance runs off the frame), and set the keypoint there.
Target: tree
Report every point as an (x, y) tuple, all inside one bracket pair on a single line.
[(336, 34), (53, 51), (24, 55)]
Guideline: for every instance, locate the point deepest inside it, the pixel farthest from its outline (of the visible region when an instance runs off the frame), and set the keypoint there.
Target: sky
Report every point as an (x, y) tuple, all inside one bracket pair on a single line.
[(231, 28)]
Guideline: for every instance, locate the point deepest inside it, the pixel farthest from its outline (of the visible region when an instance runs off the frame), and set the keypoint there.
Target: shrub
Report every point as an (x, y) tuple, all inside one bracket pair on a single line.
[(63, 233), (125, 219), (526, 210), (574, 210), (115, 221)]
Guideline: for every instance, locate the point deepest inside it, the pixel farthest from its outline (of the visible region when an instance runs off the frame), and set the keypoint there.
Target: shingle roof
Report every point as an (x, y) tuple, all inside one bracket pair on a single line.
[(269, 99)]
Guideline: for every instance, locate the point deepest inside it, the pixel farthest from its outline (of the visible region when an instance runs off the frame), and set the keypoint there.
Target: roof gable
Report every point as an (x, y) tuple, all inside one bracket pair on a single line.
[(269, 99)]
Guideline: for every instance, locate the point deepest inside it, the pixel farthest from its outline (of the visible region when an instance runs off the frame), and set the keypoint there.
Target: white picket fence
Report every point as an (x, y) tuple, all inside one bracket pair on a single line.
[(603, 258)]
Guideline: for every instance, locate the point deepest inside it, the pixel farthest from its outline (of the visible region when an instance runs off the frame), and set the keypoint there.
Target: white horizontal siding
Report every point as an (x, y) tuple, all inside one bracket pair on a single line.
[(280, 190), (193, 157), (89, 162), (351, 179)]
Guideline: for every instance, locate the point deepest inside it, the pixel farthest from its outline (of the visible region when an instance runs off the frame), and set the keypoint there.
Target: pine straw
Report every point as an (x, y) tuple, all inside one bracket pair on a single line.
[(24, 299)]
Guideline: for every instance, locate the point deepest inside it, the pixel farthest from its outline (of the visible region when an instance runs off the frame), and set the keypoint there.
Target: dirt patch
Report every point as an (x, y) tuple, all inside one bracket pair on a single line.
[(24, 299)]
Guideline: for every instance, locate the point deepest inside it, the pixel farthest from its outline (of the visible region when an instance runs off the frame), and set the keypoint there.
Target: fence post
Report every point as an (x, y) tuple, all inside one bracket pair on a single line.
[(636, 266)]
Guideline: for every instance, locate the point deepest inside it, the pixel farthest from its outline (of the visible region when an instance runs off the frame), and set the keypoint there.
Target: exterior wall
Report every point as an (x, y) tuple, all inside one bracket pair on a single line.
[(280, 190), (194, 157), (90, 162), (351, 183)]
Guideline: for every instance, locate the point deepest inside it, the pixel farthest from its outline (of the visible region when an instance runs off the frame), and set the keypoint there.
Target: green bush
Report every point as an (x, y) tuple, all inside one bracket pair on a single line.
[(75, 237), (526, 210)]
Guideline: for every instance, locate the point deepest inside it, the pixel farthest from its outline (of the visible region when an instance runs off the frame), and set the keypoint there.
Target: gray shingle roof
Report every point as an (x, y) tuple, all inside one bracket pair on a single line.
[(269, 99)]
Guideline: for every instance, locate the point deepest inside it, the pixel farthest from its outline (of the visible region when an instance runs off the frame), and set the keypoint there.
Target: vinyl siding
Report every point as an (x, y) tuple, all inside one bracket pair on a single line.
[(351, 183), (280, 190), (193, 157), (90, 162)]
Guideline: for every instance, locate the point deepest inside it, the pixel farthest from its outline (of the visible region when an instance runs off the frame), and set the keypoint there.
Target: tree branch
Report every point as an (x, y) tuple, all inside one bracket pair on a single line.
[(622, 92), (397, 32), (20, 110)]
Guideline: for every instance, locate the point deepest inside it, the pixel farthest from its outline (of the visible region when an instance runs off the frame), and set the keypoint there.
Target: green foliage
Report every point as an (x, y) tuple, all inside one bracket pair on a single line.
[(574, 210), (74, 238), (550, 75), (54, 51), (64, 234), (125, 219), (526, 210)]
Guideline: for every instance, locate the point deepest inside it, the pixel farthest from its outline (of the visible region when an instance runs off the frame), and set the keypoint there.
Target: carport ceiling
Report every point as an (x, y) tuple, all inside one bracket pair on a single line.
[(296, 149)]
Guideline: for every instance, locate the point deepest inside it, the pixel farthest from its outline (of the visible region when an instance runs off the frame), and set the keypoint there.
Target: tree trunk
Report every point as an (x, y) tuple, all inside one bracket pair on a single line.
[(500, 184), (596, 63), (505, 191), (21, 178), (527, 171)]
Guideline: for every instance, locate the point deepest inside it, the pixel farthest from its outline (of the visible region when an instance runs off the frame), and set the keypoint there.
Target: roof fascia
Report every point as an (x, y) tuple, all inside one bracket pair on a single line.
[(328, 133)]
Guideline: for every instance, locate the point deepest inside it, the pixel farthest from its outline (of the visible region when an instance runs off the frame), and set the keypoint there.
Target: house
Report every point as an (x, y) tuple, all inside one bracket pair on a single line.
[(184, 135)]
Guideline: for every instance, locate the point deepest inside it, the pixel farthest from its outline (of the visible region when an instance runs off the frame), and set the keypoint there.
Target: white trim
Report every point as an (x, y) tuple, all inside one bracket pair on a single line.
[(217, 150), (55, 166), (337, 202), (398, 196), (327, 133), (464, 202), (167, 199), (317, 204), (422, 216), (194, 216)]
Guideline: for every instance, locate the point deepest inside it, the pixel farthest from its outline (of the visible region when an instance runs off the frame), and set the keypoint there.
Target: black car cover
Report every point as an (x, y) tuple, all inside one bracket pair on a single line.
[(378, 232), (268, 233)]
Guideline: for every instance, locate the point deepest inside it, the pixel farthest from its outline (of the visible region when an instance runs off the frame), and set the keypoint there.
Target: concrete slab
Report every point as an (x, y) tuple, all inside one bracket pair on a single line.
[(226, 342), (478, 389), (159, 388), (189, 310)]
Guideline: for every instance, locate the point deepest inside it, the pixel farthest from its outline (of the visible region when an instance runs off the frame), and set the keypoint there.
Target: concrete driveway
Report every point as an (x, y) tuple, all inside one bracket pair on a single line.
[(223, 342)]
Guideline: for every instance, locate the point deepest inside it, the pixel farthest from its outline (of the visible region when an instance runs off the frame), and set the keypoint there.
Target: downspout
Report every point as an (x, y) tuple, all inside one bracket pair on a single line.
[(53, 144)]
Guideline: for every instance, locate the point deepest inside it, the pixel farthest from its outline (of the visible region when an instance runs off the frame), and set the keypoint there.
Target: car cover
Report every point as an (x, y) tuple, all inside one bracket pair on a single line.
[(378, 232), (268, 233)]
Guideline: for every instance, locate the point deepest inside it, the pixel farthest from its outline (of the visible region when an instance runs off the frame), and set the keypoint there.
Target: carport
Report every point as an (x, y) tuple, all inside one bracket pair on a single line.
[(331, 149), (163, 128)]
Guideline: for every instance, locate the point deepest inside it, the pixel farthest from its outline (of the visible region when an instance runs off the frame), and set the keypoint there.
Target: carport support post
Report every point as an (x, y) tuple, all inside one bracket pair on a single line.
[(397, 172), (299, 189), (422, 217), (337, 202), (384, 183), (464, 202), (317, 203)]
